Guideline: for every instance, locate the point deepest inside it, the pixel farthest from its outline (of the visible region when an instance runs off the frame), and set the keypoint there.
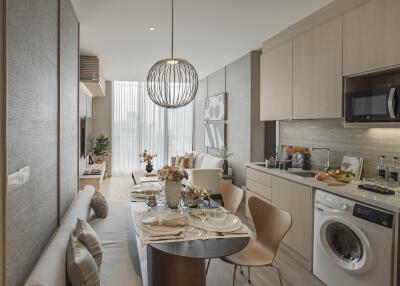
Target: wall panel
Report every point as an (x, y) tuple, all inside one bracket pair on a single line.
[(32, 37), (69, 65)]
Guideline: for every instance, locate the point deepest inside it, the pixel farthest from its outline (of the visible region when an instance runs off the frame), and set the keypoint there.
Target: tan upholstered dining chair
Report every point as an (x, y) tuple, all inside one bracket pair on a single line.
[(232, 197), (271, 225)]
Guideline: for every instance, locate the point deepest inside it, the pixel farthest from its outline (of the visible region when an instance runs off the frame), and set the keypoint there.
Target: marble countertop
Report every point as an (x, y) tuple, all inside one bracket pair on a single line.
[(351, 190)]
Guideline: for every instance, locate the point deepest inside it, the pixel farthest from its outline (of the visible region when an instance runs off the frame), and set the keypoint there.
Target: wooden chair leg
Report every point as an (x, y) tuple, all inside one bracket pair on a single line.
[(248, 274), (241, 270)]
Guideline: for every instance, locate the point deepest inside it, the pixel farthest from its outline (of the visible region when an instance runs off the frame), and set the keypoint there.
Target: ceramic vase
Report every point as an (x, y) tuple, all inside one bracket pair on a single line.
[(173, 193)]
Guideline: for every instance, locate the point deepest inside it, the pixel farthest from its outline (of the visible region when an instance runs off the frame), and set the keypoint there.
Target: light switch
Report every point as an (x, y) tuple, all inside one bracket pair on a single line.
[(18, 178)]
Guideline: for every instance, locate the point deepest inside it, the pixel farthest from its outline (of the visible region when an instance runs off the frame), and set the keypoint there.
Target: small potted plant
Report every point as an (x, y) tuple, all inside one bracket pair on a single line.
[(102, 148), (225, 154), (147, 159), (172, 177)]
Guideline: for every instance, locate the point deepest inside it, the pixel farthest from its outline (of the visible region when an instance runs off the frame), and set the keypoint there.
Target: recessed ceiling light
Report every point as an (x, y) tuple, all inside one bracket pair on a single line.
[(152, 28)]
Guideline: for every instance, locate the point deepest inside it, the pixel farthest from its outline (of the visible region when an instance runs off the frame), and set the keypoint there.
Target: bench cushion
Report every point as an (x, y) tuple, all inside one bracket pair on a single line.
[(50, 270), (120, 264)]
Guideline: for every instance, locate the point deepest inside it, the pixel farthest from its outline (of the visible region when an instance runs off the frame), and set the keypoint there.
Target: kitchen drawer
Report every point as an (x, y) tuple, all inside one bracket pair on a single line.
[(250, 194), (259, 189), (259, 177)]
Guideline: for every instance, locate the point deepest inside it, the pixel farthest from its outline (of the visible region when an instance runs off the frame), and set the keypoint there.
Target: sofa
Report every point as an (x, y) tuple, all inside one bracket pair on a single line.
[(120, 264), (204, 170)]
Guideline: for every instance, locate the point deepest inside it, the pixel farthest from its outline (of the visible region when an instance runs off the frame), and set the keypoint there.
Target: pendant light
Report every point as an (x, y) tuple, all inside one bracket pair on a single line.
[(172, 82)]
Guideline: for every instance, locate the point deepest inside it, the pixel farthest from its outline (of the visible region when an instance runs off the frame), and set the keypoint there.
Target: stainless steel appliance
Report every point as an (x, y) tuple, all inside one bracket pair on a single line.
[(376, 105)]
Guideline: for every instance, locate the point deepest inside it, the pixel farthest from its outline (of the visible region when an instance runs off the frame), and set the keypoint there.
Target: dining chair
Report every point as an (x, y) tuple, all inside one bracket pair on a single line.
[(232, 197), (271, 225)]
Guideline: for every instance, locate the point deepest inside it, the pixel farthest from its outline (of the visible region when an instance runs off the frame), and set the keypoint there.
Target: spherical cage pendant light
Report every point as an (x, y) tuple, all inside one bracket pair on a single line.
[(172, 82)]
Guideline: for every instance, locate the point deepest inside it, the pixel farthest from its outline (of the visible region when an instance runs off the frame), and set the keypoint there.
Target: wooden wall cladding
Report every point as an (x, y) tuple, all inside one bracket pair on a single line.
[(69, 65), (32, 37)]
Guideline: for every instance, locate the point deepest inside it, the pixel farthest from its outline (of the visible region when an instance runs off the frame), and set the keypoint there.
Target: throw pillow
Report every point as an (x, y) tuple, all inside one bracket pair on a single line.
[(86, 234), (99, 205), (81, 267), (189, 156), (178, 160), (184, 163)]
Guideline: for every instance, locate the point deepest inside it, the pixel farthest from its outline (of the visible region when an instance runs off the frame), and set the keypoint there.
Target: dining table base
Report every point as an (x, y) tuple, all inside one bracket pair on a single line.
[(165, 269)]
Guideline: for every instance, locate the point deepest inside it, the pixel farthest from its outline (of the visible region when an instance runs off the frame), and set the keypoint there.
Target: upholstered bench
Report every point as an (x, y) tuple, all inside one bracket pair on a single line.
[(120, 264)]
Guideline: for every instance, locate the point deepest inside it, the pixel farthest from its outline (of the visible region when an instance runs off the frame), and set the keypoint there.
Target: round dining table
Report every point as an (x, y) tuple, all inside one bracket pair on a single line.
[(183, 263)]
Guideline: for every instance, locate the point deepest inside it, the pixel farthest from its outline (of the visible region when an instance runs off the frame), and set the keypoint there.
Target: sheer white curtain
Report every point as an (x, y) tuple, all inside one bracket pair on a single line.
[(140, 124)]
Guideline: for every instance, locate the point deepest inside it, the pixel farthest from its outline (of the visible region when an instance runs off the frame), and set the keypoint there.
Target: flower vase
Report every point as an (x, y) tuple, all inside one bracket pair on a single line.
[(149, 168), (173, 193)]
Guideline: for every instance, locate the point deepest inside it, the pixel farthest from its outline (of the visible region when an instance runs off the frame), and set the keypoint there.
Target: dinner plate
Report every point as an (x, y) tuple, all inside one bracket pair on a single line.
[(229, 224)]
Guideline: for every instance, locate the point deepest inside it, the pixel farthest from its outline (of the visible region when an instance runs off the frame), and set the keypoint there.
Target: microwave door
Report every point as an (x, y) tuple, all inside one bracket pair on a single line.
[(377, 107)]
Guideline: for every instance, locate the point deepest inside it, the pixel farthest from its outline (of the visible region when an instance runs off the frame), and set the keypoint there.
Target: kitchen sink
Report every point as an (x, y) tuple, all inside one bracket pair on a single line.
[(306, 174)]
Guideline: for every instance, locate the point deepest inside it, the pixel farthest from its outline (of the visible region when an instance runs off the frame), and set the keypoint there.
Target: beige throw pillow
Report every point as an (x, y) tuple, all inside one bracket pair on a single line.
[(189, 156), (81, 267), (99, 205), (184, 164), (86, 234)]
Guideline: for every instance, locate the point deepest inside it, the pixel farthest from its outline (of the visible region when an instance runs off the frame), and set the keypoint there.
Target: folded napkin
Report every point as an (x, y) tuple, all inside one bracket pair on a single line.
[(171, 221)]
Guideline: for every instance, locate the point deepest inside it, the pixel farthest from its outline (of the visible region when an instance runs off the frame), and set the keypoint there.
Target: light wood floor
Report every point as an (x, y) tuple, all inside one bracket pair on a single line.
[(221, 273)]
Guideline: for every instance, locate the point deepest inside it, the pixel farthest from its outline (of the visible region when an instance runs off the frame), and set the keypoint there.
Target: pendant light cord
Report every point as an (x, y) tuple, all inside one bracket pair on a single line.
[(172, 29)]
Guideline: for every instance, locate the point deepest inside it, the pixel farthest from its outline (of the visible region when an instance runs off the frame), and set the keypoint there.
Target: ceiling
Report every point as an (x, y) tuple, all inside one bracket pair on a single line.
[(208, 33)]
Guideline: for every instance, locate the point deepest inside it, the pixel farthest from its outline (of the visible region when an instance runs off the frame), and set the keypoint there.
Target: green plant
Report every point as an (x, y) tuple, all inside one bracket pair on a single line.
[(102, 147), (224, 153)]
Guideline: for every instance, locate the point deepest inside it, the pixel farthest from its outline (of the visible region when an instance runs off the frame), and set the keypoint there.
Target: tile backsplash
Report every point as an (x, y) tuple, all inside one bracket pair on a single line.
[(367, 143)]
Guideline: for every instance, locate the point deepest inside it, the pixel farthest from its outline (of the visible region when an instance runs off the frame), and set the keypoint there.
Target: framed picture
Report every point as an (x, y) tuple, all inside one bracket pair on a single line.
[(215, 107), (214, 136)]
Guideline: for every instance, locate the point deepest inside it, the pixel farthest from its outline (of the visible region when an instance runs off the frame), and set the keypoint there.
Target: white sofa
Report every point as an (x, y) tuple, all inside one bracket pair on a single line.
[(205, 171)]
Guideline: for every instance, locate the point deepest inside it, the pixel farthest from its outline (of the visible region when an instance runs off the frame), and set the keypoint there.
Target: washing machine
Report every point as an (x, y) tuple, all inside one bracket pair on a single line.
[(353, 242)]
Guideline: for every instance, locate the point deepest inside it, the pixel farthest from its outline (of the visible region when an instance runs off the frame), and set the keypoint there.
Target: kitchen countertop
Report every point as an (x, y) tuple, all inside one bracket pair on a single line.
[(351, 190)]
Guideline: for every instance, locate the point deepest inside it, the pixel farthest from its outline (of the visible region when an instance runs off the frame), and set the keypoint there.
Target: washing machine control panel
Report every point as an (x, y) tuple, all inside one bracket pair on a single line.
[(373, 215)]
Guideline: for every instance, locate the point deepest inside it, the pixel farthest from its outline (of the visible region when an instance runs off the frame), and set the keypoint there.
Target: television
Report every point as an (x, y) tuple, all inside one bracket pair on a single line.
[(87, 140)]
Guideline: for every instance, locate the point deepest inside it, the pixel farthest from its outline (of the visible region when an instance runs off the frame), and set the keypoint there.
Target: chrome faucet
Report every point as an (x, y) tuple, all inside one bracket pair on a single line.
[(327, 165)]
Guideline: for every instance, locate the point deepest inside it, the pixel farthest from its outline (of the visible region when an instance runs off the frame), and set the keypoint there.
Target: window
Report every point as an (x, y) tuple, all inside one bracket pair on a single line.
[(140, 124)]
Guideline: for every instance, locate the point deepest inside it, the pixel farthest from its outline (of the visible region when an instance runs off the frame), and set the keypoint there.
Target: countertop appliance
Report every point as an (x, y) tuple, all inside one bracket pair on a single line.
[(353, 242), (376, 105)]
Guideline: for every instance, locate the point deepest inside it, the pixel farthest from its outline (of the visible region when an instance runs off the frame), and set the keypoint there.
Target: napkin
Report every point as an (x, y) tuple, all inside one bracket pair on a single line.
[(171, 221)]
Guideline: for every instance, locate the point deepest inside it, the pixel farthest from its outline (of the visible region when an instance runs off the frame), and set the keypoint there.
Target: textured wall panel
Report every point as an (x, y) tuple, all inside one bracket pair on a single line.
[(366, 143), (69, 33), (32, 131), (198, 142), (238, 89)]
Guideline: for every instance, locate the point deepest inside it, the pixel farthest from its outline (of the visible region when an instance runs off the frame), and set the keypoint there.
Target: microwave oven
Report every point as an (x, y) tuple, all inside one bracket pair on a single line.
[(376, 105)]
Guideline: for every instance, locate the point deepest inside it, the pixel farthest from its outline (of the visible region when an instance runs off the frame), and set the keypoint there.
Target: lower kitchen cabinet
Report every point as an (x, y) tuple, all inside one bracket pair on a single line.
[(296, 199)]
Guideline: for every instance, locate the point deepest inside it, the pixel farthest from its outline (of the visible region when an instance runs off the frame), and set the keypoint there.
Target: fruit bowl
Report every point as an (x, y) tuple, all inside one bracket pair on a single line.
[(342, 176)]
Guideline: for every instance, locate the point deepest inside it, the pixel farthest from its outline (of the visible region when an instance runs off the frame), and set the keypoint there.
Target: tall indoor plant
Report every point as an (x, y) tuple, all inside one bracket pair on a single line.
[(172, 177), (102, 148)]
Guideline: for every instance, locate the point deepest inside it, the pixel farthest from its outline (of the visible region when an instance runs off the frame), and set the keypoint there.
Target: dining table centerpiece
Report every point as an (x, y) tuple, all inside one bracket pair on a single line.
[(172, 177), (194, 195), (147, 158)]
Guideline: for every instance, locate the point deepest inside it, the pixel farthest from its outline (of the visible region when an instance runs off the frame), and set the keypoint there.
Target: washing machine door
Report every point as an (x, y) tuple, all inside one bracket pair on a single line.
[(346, 244)]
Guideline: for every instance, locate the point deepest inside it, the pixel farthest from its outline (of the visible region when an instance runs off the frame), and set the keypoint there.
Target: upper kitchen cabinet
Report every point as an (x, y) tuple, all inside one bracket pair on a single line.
[(317, 72), (276, 83), (371, 38)]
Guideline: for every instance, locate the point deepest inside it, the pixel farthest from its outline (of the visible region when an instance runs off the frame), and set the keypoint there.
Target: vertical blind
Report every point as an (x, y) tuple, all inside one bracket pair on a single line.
[(139, 124)]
